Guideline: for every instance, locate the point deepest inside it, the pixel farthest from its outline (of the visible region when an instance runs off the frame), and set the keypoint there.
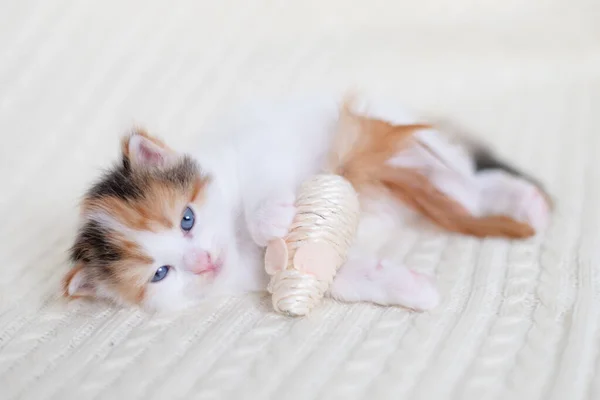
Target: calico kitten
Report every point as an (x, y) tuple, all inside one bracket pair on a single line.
[(163, 229)]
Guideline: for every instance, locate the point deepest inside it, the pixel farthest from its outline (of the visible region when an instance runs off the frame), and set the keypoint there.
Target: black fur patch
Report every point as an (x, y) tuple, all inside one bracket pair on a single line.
[(93, 246), (126, 184), (486, 160), (117, 182), (181, 175)]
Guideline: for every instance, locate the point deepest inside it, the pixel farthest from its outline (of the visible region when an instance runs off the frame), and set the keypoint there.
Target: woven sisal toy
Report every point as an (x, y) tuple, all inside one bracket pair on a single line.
[(303, 264)]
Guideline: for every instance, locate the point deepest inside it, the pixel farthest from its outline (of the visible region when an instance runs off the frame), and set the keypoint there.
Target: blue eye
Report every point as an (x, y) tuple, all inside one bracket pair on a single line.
[(161, 273), (187, 222)]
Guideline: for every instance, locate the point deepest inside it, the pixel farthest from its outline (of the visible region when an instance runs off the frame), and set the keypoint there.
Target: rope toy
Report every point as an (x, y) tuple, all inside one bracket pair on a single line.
[(303, 264)]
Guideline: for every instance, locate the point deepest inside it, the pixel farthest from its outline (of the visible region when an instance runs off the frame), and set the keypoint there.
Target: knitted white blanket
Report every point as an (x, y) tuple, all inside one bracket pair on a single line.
[(519, 320)]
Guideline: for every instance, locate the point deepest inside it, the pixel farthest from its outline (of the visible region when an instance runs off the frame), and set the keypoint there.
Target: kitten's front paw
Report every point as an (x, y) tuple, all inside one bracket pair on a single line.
[(272, 219)]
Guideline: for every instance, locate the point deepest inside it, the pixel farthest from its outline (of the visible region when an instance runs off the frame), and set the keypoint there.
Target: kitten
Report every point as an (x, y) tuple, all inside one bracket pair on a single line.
[(163, 229)]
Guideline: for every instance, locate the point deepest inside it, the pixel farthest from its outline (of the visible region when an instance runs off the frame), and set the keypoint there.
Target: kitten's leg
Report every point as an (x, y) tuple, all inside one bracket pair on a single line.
[(502, 193), (385, 283), (506, 190), (451, 186)]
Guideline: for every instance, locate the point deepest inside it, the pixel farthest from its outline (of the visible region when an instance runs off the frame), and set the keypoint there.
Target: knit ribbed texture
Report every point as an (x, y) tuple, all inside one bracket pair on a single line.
[(518, 320)]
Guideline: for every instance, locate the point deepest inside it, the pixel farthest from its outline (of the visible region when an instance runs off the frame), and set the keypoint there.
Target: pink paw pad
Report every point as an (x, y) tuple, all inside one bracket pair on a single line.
[(426, 295), (412, 289)]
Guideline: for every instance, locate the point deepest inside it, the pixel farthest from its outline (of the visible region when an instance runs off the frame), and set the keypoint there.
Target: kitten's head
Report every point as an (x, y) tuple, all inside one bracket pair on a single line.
[(150, 232)]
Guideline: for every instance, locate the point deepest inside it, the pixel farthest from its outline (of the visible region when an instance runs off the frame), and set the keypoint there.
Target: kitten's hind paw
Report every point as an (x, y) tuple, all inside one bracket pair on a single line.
[(535, 209), (411, 289), (515, 197), (385, 283)]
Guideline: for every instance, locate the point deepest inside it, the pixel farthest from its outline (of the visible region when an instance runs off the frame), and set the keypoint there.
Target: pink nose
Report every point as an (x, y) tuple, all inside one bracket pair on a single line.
[(198, 262)]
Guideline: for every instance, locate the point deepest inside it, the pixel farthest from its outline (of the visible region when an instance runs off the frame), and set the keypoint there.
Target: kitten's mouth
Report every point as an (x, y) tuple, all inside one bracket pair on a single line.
[(204, 264), (214, 268)]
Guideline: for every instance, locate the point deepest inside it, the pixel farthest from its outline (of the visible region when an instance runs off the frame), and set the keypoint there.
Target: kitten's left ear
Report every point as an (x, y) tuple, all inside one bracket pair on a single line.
[(141, 150), (79, 283)]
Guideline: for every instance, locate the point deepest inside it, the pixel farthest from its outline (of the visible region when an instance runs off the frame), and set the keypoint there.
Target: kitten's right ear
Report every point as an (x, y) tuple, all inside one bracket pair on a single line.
[(141, 150), (78, 283)]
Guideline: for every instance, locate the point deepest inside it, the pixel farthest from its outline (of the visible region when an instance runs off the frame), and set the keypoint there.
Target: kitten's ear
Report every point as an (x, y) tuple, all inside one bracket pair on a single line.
[(78, 283), (141, 150)]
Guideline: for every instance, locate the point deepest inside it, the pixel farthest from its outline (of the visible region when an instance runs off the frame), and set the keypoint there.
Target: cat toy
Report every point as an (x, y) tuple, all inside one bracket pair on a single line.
[(303, 264)]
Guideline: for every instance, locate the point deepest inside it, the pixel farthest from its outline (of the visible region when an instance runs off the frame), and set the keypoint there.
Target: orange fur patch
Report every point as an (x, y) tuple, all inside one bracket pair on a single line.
[(131, 274), (133, 252), (130, 280), (365, 144), (197, 194)]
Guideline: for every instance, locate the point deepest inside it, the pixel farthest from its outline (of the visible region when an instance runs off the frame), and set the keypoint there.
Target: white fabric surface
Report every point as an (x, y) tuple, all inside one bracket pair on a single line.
[(518, 320)]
